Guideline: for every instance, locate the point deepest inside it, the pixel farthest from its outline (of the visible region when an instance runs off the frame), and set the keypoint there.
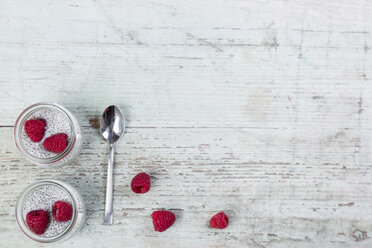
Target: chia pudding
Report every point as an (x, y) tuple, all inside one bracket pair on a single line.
[(58, 120), (41, 196)]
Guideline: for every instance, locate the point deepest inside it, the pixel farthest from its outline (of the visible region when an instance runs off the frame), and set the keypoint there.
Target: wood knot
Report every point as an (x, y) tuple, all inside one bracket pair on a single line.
[(359, 235), (94, 122)]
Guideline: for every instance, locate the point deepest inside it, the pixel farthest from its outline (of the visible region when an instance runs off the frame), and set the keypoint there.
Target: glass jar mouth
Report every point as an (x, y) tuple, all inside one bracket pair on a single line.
[(23, 117), (20, 215)]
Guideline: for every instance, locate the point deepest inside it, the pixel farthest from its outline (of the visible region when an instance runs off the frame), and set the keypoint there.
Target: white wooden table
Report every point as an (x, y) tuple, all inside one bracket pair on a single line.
[(258, 108)]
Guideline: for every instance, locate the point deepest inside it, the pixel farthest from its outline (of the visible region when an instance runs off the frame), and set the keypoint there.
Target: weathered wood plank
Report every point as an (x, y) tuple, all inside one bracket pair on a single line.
[(272, 194)]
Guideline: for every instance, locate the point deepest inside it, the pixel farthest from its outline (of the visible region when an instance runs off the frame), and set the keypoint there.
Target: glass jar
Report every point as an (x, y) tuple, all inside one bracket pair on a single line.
[(58, 119), (41, 196)]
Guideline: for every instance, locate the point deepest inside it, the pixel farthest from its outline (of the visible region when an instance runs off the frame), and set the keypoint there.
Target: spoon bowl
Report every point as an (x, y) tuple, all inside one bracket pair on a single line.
[(112, 124)]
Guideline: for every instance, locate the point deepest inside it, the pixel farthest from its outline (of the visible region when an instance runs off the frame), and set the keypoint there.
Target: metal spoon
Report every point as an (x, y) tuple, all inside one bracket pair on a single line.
[(112, 126)]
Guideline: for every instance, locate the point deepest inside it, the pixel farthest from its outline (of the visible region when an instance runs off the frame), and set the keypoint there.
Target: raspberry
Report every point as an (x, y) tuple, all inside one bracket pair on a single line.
[(141, 183), (162, 220), (56, 143), (219, 221), (37, 221), (35, 129), (62, 211)]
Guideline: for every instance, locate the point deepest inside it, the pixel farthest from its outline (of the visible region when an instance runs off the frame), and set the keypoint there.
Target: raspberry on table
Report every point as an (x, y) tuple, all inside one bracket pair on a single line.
[(219, 221), (56, 143), (162, 220), (141, 183), (62, 211), (37, 221), (35, 129)]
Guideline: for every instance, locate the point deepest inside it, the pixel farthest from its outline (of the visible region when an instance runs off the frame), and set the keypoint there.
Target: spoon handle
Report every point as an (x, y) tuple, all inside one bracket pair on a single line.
[(109, 188)]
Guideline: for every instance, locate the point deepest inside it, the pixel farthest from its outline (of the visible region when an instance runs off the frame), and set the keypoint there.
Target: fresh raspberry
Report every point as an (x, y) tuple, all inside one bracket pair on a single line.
[(141, 183), (219, 221), (56, 143), (35, 129), (62, 211), (37, 221), (162, 220)]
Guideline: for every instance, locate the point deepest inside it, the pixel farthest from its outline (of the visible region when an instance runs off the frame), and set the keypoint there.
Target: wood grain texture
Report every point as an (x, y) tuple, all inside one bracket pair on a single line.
[(258, 108)]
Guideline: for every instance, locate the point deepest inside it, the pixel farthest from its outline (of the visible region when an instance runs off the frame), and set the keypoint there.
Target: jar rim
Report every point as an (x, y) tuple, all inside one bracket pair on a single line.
[(19, 211), (22, 118)]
